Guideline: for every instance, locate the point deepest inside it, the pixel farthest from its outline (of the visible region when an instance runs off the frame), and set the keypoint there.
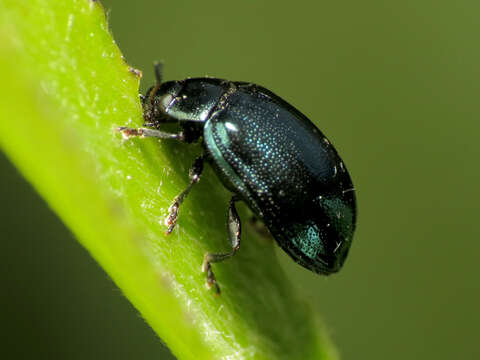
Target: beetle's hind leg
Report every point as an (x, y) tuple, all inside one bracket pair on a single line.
[(194, 173), (234, 231)]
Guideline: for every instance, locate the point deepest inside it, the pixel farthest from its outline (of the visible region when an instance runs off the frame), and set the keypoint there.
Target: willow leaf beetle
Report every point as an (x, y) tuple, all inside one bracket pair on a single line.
[(269, 155)]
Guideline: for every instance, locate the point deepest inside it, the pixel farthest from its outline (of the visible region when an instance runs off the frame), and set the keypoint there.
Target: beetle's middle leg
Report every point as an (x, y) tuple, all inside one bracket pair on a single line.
[(234, 231), (194, 173)]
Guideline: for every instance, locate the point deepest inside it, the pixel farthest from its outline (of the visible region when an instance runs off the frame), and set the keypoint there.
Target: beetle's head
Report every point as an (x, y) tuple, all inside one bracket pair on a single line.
[(158, 99), (190, 100)]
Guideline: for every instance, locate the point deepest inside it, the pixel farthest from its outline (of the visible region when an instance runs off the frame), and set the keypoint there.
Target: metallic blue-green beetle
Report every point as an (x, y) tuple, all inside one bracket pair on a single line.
[(270, 156)]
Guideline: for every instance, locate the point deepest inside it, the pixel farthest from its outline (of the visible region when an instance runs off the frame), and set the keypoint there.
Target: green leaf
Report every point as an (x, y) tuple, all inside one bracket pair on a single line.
[(65, 88)]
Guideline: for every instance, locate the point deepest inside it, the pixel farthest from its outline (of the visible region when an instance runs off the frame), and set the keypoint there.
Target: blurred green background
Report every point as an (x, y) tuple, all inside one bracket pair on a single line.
[(394, 86)]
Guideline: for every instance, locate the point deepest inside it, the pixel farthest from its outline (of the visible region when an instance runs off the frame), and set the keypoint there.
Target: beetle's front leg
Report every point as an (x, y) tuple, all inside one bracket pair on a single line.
[(127, 133), (234, 228)]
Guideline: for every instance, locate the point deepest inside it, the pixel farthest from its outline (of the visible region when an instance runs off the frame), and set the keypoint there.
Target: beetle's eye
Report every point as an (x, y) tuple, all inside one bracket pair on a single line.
[(166, 101)]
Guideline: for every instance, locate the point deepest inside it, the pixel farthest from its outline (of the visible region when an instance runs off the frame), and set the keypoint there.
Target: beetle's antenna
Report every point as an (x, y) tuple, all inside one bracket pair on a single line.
[(158, 67), (158, 71)]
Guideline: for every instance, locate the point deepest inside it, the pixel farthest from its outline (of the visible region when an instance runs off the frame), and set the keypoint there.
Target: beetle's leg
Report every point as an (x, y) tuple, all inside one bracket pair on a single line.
[(194, 173), (234, 231), (145, 132)]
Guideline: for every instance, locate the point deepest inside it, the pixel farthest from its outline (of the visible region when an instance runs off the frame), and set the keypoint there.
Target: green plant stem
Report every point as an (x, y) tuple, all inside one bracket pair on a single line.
[(65, 89)]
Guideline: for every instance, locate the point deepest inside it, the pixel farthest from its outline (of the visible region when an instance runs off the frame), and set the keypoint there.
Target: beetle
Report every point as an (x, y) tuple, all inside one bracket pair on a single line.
[(269, 155)]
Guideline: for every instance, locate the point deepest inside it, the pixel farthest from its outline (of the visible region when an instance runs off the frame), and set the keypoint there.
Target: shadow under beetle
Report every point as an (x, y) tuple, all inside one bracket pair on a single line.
[(268, 155)]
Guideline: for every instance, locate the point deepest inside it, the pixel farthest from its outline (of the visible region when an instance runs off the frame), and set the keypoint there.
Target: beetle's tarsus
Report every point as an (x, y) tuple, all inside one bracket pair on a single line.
[(129, 132), (211, 280), (171, 219)]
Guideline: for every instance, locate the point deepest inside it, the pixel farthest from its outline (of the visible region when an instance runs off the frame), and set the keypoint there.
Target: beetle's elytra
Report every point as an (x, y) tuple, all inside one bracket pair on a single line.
[(270, 156)]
